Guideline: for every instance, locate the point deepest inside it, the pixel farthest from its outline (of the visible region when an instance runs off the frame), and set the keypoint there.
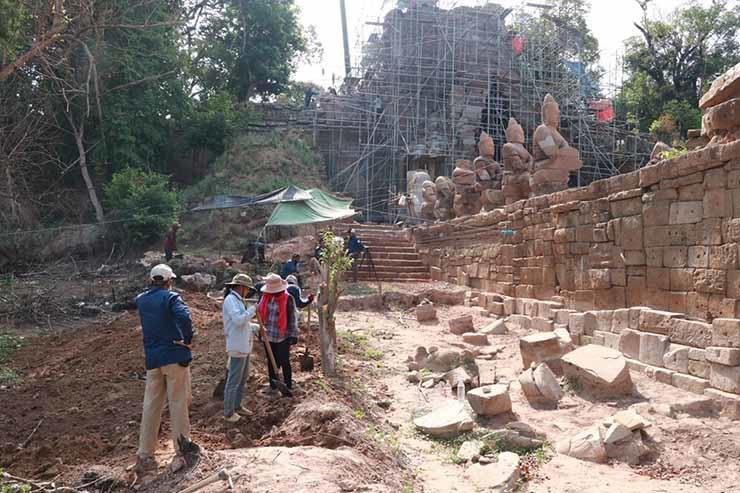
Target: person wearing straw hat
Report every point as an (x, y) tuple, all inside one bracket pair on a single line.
[(278, 313), (239, 334), (168, 339)]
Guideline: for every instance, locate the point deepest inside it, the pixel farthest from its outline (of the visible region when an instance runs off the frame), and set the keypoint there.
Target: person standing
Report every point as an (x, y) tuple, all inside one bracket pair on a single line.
[(168, 338), (291, 267), (279, 316), (295, 291), (239, 333), (170, 241)]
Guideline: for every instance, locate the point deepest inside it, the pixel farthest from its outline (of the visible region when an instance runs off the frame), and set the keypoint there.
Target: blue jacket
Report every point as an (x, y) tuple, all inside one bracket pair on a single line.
[(164, 319), (354, 245), (290, 267)]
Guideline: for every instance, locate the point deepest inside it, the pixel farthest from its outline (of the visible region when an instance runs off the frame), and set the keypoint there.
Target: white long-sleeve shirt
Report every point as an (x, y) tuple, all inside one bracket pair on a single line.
[(237, 328)]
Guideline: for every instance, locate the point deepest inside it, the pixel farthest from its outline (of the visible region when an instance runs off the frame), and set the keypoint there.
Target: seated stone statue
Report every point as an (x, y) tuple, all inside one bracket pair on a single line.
[(467, 195), (554, 159), (488, 174), (517, 164), (429, 198), (445, 191)]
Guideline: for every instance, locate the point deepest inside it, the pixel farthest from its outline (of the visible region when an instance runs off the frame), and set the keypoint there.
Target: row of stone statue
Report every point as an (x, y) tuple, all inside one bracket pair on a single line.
[(486, 184)]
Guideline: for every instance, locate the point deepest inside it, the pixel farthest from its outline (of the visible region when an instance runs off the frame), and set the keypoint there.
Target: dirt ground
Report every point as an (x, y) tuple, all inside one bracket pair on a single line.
[(82, 389)]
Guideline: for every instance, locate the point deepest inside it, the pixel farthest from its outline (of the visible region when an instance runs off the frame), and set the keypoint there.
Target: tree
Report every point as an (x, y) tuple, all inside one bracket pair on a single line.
[(249, 47), (334, 262), (672, 61)]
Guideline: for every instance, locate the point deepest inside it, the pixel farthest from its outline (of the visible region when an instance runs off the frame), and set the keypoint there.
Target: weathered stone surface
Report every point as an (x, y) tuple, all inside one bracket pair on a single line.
[(547, 384), (616, 433), (490, 400), (469, 449), (486, 372), (652, 348), (723, 356), (198, 281), (686, 212), (690, 333), (657, 321), (475, 339), (446, 422), (629, 343), (689, 383), (724, 87), (677, 358), (519, 321), (529, 387), (542, 324), (587, 445), (726, 378), (498, 477), (536, 348), (497, 327), (456, 375), (699, 369), (461, 325), (629, 450), (631, 420), (426, 312), (728, 403), (601, 370), (726, 332)]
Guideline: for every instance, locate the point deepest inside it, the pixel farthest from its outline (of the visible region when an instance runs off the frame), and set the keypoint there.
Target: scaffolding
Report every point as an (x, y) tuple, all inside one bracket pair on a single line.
[(431, 79)]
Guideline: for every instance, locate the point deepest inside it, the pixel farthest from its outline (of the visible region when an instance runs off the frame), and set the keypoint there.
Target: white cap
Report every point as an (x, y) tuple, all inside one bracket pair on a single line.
[(162, 270)]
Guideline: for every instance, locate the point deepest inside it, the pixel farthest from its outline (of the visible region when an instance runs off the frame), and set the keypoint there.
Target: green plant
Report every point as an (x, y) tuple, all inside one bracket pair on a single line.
[(8, 345), (143, 204), (675, 152), (358, 414), (373, 354)]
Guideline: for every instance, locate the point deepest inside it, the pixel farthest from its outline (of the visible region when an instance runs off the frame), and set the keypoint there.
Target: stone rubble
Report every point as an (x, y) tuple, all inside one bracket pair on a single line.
[(489, 400), (447, 421)]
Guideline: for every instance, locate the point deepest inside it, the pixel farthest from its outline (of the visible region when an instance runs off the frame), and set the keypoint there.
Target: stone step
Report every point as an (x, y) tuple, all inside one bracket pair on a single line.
[(388, 278), (391, 248), (392, 269), (392, 254), (392, 262)]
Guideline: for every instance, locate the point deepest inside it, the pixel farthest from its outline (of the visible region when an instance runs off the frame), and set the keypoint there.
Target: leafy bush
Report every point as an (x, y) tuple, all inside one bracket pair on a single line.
[(142, 203)]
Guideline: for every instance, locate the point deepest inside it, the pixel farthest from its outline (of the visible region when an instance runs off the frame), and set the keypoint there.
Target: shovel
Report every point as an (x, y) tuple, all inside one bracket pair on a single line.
[(280, 385)]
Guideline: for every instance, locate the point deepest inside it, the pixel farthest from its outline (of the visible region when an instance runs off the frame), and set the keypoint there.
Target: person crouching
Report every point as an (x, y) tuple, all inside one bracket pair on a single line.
[(278, 313), (239, 334)]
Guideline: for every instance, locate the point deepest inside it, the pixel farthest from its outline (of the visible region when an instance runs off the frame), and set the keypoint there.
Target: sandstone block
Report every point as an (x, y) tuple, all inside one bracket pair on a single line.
[(690, 333), (461, 325), (677, 358), (723, 355), (686, 212), (497, 327), (657, 321), (689, 383), (717, 203), (698, 257), (500, 476), (600, 370), (542, 324), (710, 281), (696, 354), (724, 88), (446, 422), (661, 375), (475, 339), (652, 348), (486, 372), (629, 343), (519, 321), (729, 403), (587, 445), (426, 312), (726, 332), (538, 348), (489, 400), (631, 420), (725, 378)]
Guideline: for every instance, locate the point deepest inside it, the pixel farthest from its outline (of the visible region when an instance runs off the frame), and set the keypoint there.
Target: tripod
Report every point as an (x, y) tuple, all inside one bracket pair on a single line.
[(365, 257)]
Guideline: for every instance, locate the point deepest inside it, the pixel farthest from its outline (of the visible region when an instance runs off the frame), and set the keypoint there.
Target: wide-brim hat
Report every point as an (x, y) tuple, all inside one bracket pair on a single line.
[(274, 284), (241, 280)]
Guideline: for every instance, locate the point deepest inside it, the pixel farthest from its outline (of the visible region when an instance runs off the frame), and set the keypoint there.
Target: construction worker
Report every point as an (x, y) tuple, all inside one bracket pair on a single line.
[(295, 291), (291, 267), (170, 241), (239, 333), (168, 338)]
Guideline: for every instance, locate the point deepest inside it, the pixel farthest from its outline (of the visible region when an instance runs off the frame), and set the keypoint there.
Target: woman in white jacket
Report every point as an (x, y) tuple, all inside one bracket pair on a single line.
[(239, 334)]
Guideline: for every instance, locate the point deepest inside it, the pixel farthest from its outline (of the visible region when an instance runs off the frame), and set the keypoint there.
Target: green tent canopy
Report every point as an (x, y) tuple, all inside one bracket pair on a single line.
[(319, 208)]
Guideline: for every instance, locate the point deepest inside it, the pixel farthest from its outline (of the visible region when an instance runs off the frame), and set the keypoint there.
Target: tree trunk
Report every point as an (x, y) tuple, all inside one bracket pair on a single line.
[(79, 134), (327, 330)]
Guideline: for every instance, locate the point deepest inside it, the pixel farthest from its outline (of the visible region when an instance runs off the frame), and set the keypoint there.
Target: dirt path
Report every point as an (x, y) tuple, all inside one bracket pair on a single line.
[(695, 454)]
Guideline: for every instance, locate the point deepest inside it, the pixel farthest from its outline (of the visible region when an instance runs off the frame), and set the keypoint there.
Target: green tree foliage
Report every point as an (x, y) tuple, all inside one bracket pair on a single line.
[(143, 202), (249, 47), (672, 62)]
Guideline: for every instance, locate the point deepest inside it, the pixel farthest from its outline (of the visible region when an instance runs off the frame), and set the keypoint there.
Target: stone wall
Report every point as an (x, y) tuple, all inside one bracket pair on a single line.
[(664, 237), (645, 262)]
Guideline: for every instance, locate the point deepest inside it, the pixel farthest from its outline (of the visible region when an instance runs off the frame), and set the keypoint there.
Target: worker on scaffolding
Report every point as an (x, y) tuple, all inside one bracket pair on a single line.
[(378, 106)]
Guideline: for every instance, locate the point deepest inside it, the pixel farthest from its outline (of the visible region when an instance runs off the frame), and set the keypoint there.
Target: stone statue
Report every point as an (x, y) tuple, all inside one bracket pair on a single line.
[(517, 164), (554, 159), (429, 199), (414, 181), (445, 192), (467, 195), (488, 174)]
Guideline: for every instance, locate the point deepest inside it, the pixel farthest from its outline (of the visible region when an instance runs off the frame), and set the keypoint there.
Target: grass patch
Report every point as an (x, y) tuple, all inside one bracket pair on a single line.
[(9, 344), (358, 289), (373, 354), (358, 414)]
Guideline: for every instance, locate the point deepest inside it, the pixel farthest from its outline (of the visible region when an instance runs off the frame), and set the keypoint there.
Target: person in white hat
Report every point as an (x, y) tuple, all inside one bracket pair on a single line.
[(168, 338), (279, 315), (239, 334)]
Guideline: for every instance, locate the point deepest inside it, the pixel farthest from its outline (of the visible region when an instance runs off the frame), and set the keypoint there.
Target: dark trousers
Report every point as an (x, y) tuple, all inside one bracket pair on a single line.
[(281, 351)]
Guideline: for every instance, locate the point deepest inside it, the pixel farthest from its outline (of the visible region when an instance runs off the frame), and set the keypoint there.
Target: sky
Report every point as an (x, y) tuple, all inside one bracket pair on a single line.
[(610, 20)]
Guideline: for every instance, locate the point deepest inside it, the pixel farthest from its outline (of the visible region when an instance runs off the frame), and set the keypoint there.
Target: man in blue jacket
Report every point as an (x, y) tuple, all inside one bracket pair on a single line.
[(168, 339)]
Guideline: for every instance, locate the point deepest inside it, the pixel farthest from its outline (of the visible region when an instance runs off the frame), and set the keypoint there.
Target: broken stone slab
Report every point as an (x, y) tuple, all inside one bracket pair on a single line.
[(617, 432), (547, 384), (446, 422), (442, 360), (629, 450), (724, 87), (198, 281), (461, 325), (425, 312), (486, 372), (525, 429), (631, 420), (495, 328), (601, 371), (475, 339), (412, 377), (587, 445), (514, 439), (456, 375), (677, 358), (539, 347), (500, 476), (490, 400), (470, 449), (566, 341)]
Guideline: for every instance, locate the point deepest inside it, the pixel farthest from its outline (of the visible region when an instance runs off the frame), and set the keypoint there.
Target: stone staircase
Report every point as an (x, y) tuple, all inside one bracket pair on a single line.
[(394, 255)]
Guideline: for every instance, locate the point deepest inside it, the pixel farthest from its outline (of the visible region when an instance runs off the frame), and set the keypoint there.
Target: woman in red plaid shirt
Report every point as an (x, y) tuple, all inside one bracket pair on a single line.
[(279, 315)]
